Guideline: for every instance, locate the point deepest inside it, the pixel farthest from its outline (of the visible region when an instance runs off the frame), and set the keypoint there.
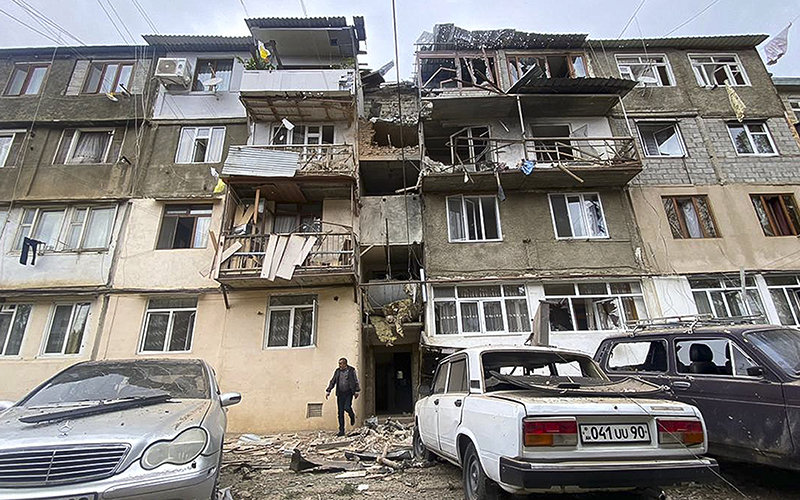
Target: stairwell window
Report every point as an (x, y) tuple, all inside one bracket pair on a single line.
[(473, 218), (578, 216), (200, 145), (291, 321), (13, 322), (690, 217), (649, 70), (26, 79), (751, 139), (777, 213), (660, 139), (184, 226), (714, 69), (66, 328), (168, 325)]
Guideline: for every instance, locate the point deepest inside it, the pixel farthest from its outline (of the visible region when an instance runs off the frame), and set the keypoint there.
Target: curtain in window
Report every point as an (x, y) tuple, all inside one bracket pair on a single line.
[(98, 228), (91, 147), (186, 145), (285, 224), (445, 317), (690, 216), (454, 211), (597, 226), (5, 148), (214, 153)]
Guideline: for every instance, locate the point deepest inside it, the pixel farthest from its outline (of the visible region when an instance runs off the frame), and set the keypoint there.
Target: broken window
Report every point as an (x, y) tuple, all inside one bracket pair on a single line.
[(594, 305), (290, 321), (785, 293), (302, 135), (777, 214), (689, 217), (208, 69), (200, 145), (660, 139), (457, 72), (298, 218), (639, 356), (547, 66), (27, 79), (648, 70), (66, 329), (13, 321), (721, 297), (10, 145), (578, 216), (107, 77), (751, 138), (711, 357), (480, 309), (184, 226), (168, 325), (552, 144), (473, 218), (711, 70), (470, 146)]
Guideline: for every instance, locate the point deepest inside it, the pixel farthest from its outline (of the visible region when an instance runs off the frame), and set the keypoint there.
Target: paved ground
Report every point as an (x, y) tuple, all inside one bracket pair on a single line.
[(443, 482)]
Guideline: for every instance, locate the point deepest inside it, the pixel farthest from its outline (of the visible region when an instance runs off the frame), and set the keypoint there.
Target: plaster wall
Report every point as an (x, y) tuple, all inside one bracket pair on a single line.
[(404, 215), (338, 213)]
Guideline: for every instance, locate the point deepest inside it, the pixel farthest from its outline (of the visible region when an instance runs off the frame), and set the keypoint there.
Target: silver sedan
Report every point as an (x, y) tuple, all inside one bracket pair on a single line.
[(142, 429)]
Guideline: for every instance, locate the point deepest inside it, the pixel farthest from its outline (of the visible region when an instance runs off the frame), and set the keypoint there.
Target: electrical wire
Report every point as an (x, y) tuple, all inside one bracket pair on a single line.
[(23, 23), (36, 14), (630, 20), (124, 40), (246, 14), (145, 16), (692, 18), (125, 26)]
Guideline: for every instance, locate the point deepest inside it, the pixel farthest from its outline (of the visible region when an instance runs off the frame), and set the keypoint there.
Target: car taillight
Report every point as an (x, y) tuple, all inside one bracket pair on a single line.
[(547, 432), (686, 432)]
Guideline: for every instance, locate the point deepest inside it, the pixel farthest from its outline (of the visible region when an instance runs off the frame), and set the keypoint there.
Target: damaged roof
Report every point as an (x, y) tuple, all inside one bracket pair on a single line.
[(308, 22), (200, 42), (683, 42), (450, 36), (530, 84), (786, 81)]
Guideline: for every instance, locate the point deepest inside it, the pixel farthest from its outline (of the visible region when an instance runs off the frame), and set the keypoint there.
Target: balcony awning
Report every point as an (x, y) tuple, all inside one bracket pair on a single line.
[(260, 162)]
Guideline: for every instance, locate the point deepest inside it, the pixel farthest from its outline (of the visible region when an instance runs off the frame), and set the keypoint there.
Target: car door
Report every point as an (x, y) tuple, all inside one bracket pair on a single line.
[(745, 415), (643, 358), (430, 408), (450, 405)]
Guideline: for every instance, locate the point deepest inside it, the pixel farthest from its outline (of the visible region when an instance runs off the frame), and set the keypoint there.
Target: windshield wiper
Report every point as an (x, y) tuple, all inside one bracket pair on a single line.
[(115, 405)]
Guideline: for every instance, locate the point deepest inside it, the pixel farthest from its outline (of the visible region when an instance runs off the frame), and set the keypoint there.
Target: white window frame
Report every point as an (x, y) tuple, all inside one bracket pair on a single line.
[(13, 133), (61, 235), (211, 129), (727, 291), (642, 58), (699, 70), (4, 308), (608, 295), (481, 315), (464, 219), (665, 124), (81, 239), (583, 215), (48, 330), (74, 144), (786, 290), (794, 105), (170, 325), (746, 126), (276, 127), (292, 308)]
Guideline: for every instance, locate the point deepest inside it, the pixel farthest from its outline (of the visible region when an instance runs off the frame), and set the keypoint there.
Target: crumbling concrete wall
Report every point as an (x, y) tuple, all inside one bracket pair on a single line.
[(404, 215), (392, 113)]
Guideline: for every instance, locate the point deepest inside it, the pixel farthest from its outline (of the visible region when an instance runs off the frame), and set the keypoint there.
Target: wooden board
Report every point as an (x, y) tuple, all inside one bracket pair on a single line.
[(293, 248), (276, 259), (309, 244), (269, 253), (230, 251)]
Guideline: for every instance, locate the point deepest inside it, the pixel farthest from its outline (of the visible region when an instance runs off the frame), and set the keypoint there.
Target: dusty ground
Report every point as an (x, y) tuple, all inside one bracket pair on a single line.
[(271, 479)]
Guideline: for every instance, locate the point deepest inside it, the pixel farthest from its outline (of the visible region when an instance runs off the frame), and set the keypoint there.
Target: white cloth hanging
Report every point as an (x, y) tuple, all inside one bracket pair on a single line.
[(777, 47)]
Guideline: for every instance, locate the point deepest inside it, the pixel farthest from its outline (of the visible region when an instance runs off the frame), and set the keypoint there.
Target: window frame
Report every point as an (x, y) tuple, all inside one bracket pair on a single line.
[(457, 359), (74, 144), (502, 298), (115, 83), (794, 106), (770, 216), (583, 214), (785, 290), (699, 67), (48, 329), (726, 292), (608, 295), (276, 127), (666, 64), (61, 235), (731, 344), (746, 126), (170, 327), (7, 338), (314, 305), (26, 83), (516, 55), (664, 123), (188, 209), (215, 60), (457, 77), (206, 160), (464, 219), (682, 218), (14, 134)]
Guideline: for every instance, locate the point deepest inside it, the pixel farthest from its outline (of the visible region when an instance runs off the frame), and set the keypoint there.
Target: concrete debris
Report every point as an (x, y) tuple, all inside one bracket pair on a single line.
[(224, 494)]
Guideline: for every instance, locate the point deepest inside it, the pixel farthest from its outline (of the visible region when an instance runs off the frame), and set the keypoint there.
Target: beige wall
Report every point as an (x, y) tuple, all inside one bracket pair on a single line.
[(276, 384), (741, 243)]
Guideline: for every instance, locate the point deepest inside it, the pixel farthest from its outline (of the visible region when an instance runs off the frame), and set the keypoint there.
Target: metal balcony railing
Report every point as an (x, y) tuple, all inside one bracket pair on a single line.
[(316, 159)]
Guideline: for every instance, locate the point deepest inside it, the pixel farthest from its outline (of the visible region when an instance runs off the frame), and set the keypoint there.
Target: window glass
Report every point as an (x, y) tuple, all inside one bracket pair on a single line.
[(47, 227), (5, 148), (98, 227), (639, 356), (481, 309), (200, 145), (660, 139), (213, 68), (715, 70), (441, 379), (777, 213), (13, 322), (291, 321), (648, 70), (184, 226), (446, 319), (704, 357), (751, 138), (169, 325), (458, 382), (689, 217), (108, 77), (90, 146), (596, 308), (781, 345), (26, 79), (473, 218), (67, 327), (578, 216)]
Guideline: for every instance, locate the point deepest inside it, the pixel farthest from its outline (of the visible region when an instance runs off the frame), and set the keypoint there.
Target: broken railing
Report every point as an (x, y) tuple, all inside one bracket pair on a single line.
[(319, 159), (486, 153), (331, 252)]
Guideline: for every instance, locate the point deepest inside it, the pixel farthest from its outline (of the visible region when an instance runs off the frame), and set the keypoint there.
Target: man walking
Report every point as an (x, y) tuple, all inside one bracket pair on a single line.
[(346, 382)]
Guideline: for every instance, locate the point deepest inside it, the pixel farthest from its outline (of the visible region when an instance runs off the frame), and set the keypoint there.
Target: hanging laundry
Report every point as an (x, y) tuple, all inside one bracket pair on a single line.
[(528, 166), (736, 102), (29, 245), (776, 48), (500, 193), (220, 187)]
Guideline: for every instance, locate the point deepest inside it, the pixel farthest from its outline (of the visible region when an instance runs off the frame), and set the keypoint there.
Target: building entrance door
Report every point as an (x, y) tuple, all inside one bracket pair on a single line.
[(393, 390)]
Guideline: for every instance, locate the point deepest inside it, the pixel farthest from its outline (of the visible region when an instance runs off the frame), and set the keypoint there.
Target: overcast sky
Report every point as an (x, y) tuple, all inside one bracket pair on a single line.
[(599, 19)]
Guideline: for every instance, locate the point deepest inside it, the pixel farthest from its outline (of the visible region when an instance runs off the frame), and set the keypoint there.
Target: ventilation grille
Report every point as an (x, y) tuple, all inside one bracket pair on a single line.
[(314, 410), (48, 466)]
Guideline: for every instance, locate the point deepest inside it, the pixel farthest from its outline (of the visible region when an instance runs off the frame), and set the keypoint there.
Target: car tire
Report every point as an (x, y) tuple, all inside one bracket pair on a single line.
[(651, 494), (477, 486), (421, 452)]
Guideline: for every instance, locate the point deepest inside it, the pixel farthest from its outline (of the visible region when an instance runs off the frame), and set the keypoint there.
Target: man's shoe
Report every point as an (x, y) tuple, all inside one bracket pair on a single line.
[(353, 418), (340, 434)]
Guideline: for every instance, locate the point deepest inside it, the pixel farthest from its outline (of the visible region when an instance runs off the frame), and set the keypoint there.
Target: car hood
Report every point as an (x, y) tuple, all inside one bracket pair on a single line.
[(138, 427)]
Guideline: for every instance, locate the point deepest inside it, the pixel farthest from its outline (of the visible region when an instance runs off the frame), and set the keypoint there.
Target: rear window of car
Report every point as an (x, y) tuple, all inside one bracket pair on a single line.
[(111, 381), (638, 356)]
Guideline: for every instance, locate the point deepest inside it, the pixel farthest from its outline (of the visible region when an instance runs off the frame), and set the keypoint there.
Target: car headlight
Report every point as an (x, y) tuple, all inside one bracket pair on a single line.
[(183, 449)]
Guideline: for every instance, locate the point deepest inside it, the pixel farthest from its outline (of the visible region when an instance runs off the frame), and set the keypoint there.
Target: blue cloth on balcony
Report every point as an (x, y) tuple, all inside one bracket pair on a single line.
[(528, 166)]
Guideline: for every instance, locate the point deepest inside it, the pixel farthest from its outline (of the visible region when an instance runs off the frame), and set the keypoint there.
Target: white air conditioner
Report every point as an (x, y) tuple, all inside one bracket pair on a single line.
[(174, 71)]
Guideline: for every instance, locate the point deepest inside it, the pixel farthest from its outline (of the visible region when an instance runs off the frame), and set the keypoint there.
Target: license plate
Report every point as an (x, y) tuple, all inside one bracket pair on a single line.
[(90, 496), (615, 433)]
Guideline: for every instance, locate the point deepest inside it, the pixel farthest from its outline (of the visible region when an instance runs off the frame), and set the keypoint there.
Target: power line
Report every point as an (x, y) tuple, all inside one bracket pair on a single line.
[(30, 27), (303, 6), (695, 16), (245, 8), (145, 15), (124, 40), (630, 20), (39, 17), (114, 10)]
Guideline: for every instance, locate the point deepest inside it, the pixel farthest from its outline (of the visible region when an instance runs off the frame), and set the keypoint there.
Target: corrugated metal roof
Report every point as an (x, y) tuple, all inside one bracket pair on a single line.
[(683, 42), (297, 22), (449, 36), (260, 162), (203, 43), (786, 81), (534, 85)]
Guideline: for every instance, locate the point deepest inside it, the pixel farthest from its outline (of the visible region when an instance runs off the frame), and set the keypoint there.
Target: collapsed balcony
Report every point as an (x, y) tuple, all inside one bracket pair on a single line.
[(291, 160)]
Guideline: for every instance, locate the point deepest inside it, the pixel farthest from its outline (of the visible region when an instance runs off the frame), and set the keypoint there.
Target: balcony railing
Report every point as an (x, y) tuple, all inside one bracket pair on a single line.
[(317, 159), (332, 82), (331, 253)]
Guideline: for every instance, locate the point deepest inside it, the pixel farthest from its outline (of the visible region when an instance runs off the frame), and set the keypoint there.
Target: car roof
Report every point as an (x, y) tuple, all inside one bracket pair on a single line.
[(477, 351), (737, 330)]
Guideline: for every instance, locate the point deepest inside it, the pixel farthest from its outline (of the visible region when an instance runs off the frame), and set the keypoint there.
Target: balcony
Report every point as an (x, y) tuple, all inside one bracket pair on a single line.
[(319, 160), (551, 162), (332, 259), (302, 94)]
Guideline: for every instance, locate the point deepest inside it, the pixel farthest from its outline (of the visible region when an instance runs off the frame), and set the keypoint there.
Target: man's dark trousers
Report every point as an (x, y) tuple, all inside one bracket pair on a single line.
[(344, 403)]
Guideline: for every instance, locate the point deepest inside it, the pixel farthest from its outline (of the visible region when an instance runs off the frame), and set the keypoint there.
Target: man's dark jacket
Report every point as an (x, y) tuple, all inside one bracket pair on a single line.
[(352, 382)]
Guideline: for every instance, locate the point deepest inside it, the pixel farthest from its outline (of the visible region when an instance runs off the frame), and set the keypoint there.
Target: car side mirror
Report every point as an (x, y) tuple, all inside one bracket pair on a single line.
[(424, 390), (5, 405), (755, 371), (230, 399)]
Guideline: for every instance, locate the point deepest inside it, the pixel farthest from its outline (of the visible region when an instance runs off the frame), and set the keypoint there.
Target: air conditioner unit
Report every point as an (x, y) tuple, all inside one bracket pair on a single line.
[(174, 71)]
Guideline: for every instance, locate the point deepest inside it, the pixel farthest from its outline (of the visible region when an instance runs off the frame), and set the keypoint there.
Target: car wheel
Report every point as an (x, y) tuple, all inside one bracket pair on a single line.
[(421, 452), (651, 494), (477, 486)]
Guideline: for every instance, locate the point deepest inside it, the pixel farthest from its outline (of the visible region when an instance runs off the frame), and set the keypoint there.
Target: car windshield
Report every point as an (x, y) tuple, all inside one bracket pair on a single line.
[(112, 381), (781, 345), (549, 368)]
